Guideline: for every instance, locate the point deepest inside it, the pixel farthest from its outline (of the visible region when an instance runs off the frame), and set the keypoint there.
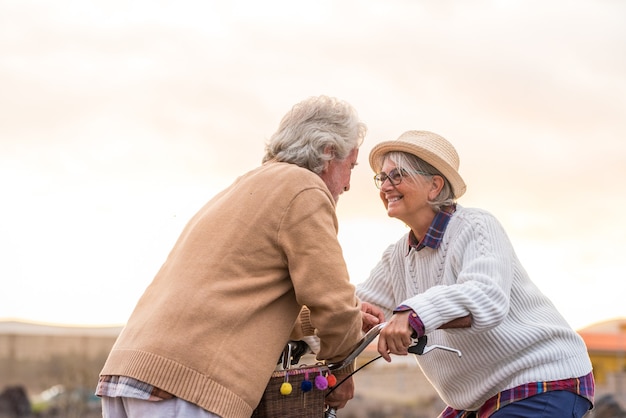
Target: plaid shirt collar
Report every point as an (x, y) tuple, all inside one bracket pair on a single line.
[(434, 235)]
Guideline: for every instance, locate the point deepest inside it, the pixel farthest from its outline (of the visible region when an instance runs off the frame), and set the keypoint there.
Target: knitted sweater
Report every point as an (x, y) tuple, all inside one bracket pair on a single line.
[(211, 326), (517, 335)]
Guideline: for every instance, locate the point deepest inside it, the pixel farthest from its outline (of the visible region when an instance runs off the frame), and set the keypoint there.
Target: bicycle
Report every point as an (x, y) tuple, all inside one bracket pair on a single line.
[(418, 347), (309, 402)]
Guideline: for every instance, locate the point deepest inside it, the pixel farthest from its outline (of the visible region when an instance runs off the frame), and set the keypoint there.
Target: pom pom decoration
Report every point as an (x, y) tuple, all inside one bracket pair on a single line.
[(320, 382), (285, 389), (332, 380), (306, 385)]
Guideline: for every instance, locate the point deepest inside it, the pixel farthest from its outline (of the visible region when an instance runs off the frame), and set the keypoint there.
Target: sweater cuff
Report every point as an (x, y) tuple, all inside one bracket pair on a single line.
[(302, 327), (305, 322), (344, 372), (414, 321)]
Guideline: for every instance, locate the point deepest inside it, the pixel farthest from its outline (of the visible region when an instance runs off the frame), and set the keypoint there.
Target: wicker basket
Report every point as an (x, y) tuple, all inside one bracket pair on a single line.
[(298, 404)]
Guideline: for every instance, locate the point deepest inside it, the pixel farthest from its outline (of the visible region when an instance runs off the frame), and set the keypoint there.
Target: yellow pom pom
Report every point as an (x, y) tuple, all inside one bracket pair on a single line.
[(285, 388)]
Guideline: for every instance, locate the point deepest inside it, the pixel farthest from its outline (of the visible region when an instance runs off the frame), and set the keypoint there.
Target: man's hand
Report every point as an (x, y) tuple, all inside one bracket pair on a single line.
[(372, 316), (342, 394), (395, 338)]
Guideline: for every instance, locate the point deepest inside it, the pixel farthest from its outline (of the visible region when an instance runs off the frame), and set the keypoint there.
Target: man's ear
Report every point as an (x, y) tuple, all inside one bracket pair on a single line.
[(328, 150)]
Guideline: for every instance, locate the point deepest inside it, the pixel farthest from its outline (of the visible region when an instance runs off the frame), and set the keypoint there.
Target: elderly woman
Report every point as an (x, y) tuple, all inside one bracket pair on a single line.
[(520, 358), (205, 336)]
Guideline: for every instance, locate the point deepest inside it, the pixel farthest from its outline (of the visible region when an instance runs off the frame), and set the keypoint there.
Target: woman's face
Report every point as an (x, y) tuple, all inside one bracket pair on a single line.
[(408, 200)]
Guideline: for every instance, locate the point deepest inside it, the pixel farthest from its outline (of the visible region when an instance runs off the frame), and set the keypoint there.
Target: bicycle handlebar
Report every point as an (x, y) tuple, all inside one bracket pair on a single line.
[(463, 322), (419, 347), (363, 343)]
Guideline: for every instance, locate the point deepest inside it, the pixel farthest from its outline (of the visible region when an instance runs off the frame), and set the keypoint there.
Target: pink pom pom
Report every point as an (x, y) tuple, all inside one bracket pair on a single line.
[(321, 383)]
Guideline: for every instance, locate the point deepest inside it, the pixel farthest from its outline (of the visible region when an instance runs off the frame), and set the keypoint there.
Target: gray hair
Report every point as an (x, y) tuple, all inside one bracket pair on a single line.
[(415, 167), (311, 127)]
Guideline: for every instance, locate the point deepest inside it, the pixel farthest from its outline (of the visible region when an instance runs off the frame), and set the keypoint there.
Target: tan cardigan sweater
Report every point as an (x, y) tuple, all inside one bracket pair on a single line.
[(211, 326)]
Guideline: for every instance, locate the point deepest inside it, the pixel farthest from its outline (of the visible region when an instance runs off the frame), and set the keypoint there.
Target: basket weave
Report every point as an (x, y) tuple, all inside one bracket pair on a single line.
[(298, 404)]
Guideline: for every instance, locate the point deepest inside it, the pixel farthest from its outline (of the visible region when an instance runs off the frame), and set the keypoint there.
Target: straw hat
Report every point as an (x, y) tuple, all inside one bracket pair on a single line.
[(428, 146)]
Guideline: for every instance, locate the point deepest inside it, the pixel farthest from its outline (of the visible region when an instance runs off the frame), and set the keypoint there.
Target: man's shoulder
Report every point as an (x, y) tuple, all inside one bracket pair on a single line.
[(281, 181), (288, 169), (290, 176)]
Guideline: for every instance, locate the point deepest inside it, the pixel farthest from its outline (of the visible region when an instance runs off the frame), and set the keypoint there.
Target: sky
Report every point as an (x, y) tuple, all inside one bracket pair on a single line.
[(119, 119)]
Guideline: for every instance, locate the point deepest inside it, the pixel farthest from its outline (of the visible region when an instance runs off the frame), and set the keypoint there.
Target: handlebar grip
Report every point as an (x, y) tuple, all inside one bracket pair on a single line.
[(418, 348)]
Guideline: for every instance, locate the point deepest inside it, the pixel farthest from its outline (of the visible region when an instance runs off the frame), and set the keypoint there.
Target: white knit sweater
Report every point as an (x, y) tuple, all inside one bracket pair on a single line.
[(517, 335)]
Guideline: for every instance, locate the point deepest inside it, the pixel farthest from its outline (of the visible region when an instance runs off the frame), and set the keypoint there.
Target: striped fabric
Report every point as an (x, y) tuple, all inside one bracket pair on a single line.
[(432, 239), (583, 386), (517, 335)]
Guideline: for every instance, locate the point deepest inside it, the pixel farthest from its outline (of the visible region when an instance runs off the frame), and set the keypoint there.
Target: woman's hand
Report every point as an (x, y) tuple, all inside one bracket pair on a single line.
[(395, 338)]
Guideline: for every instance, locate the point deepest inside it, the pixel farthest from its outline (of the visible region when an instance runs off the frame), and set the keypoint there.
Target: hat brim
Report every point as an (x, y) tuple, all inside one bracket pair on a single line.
[(454, 178)]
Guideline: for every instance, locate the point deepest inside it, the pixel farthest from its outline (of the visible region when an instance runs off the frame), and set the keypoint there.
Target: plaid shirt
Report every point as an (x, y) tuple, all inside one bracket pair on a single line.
[(434, 235), (127, 387), (583, 386)]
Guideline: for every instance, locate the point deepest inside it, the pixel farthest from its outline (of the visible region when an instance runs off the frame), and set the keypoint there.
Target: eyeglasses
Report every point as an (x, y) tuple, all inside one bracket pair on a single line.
[(394, 176)]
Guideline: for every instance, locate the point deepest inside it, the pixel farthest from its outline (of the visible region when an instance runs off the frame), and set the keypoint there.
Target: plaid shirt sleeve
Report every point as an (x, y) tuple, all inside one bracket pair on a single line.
[(414, 320)]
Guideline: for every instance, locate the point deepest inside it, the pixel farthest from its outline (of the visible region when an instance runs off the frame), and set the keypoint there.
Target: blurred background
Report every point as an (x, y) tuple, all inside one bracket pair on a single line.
[(119, 119)]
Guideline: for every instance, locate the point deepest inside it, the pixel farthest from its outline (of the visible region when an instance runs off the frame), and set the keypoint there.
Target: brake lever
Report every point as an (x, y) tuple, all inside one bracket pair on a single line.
[(419, 347)]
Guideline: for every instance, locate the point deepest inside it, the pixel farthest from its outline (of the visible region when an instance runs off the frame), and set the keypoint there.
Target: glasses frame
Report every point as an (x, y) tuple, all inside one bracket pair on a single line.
[(394, 176)]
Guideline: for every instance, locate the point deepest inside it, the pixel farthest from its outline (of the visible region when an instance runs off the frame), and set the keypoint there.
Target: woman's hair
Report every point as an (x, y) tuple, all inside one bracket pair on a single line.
[(414, 168), (313, 126)]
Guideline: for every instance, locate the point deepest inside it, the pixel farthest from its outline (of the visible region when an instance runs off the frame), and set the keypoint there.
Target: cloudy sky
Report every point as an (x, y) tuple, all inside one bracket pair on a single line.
[(118, 119)]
